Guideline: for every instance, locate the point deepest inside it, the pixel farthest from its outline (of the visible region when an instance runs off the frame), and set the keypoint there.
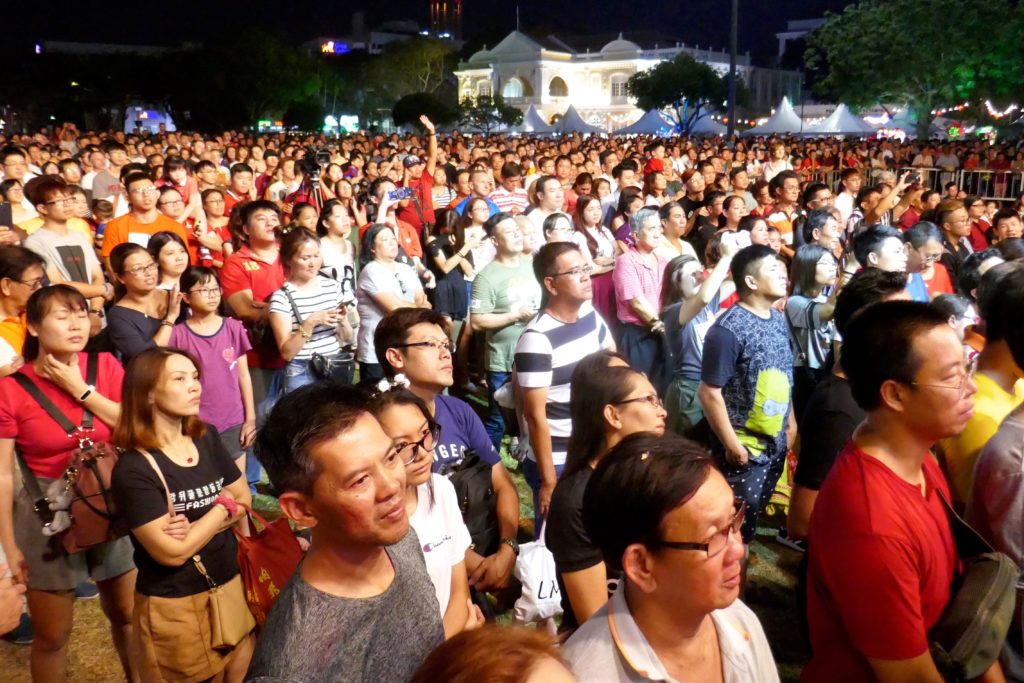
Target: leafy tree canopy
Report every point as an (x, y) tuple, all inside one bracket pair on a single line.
[(682, 83), (486, 113), (407, 110), (925, 53)]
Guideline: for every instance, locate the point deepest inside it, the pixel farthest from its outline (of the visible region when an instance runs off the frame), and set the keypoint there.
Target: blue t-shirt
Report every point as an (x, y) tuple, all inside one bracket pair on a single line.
[(918, 289), (749, 357), (461, 430)]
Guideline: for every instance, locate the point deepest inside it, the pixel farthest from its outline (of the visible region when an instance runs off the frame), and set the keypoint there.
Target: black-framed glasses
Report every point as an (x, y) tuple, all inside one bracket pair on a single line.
[(652, 399), (435, 344), (717, 543), (408, 452), (576, 272), (970, 371), (139, 271)]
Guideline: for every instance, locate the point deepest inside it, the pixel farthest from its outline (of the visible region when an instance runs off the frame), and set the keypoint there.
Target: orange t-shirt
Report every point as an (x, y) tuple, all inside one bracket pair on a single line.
[(128, 228)]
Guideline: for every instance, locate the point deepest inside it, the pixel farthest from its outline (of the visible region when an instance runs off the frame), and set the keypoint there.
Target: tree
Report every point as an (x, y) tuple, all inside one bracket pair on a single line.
[(408, 110), (419, 64), (488, 112), (923, 53), (682, 83)]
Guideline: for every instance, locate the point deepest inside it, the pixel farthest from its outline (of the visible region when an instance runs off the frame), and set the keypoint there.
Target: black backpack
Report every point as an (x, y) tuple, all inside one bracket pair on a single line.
[(477, 501)]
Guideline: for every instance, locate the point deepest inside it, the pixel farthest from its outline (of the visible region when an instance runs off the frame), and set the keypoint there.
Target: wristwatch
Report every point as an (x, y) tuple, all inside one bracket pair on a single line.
[(511, 543)]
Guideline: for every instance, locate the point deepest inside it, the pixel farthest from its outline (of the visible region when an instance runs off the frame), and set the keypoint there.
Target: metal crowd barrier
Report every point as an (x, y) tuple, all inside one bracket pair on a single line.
[(1004, 186)]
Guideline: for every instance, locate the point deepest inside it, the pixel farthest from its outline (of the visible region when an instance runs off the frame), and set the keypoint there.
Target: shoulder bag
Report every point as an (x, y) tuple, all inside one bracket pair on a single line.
[(340, 367), (266, 559), (83, 491), (230, 618), (970, 634), (471, 478)]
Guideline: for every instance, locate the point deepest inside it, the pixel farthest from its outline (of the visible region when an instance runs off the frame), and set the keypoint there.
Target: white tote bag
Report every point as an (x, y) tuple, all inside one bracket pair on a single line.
[(535, 569)]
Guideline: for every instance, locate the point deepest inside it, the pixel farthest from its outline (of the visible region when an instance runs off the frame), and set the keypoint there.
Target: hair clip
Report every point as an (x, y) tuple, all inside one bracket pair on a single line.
[(645, 455), (399, 382)]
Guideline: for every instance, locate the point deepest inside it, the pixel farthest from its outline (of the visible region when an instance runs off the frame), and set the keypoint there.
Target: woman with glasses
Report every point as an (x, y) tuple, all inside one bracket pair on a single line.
[(431, 504), (58, 322), (307, 315), (924, 249), (21, 273), (176, 174), (384, 284), (662, 515), (609, 401), (220, 344), (143, 316), (980, 223)]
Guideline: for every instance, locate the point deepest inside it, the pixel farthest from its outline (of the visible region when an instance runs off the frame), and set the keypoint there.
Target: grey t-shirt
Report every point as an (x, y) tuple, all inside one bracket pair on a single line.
[(311, 636), (71, 254)]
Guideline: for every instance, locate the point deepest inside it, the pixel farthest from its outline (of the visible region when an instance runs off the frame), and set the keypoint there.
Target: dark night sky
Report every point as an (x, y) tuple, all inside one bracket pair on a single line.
[(702, 22)]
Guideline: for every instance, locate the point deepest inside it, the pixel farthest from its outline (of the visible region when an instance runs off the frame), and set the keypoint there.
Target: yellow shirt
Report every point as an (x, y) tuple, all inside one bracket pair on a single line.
[(12, 331), (76, 224), (991, 405)]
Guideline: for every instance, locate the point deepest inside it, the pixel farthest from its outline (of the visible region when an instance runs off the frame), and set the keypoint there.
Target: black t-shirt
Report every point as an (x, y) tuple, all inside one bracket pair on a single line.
[(141, 497), (567, 538), (828, 423)]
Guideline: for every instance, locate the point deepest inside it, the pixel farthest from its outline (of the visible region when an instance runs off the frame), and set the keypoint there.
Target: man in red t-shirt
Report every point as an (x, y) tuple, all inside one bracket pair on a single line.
[(420, 176), (881, 556)]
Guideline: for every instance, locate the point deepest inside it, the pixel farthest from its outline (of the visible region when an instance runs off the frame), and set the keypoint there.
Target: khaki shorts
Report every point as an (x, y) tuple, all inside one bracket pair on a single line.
[(50, 568), (175, 636)]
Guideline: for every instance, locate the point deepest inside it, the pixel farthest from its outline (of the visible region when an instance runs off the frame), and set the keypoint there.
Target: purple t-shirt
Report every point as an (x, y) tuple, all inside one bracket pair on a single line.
[(218, 354), (461, 430)]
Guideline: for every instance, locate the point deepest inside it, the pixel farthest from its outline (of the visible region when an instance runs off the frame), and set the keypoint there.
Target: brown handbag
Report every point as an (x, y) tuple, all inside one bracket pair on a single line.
[(84, 492), (230, 618)]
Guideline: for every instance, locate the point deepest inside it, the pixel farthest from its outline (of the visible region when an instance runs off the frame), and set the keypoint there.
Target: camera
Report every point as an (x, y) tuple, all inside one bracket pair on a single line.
[(400, 193), (914, 178)]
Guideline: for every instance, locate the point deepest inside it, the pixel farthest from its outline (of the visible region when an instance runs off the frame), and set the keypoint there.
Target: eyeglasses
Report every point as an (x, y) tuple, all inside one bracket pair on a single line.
[(409, 452), (717, 543), (138, 271), (435, 344), (171, 202), (63, 200), (207, 291), (646, 398), (578, 272), (33, 285), (970, 371)]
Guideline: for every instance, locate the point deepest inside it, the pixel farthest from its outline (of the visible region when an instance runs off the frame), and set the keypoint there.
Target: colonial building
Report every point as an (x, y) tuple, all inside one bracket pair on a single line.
[(553, 72)]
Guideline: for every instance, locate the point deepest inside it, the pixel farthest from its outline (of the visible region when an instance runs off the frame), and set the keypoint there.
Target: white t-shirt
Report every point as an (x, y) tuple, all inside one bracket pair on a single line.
[(443, 535), (604, 238), (338, 264), (376, 278)]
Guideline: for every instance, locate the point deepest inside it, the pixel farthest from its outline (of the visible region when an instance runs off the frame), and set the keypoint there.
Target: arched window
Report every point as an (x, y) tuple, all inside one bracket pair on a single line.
[(513, 88), (558, 88)]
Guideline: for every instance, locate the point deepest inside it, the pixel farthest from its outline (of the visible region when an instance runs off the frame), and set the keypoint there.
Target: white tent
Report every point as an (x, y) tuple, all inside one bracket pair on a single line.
[(708, 126), (651, 123), (784, 120), (572, 122), (841, 122), (533, 122)]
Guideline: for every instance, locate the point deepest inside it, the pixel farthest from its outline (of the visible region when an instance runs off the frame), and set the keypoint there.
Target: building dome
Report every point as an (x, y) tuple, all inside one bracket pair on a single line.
[(620, 45)]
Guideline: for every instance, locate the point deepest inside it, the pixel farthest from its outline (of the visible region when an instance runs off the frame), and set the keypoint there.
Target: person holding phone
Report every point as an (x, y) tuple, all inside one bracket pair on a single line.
[(306, 314)]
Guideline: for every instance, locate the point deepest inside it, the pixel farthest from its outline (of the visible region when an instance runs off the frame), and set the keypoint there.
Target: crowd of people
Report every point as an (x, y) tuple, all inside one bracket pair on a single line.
[(662, 337)]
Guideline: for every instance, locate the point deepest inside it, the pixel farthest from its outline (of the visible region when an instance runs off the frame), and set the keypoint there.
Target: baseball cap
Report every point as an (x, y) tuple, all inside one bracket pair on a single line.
[(411, 160)]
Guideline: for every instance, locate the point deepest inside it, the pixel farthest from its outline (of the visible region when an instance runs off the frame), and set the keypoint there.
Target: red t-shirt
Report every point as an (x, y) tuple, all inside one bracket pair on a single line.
[(40, 439), (880, 564), (940, 282), (978, 237), (909, 218), (424, 188), (243, 271), (231, 200)]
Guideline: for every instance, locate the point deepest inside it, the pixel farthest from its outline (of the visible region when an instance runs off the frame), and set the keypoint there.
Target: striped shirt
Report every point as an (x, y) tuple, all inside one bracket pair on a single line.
[(510, 201), (325, 297), (547, 354)]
